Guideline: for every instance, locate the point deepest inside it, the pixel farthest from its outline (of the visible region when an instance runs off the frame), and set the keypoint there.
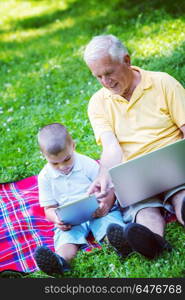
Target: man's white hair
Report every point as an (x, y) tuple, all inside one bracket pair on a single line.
[(102, 45)]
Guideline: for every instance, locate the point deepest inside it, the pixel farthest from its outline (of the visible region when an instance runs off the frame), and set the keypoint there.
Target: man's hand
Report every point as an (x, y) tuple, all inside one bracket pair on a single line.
[(102, 210), (106, 204), (101, 185)]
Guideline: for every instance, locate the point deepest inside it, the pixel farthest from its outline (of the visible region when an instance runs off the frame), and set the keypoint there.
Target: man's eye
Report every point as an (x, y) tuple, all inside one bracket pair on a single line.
[(108, 73)]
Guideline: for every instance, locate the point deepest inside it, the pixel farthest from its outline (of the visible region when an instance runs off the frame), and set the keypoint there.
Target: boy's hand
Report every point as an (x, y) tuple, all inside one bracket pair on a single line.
[(61, 225), (64, 227), (52, 216)]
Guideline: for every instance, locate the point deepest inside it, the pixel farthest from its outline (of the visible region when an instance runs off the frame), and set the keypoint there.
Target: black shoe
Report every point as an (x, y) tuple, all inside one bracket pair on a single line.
[(144, 241), (116, 237), (50, 262), (164, 244), (183, 210)]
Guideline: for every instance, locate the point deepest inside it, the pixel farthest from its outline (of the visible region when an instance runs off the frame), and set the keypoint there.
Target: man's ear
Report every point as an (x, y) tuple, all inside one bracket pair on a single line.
[(126, 59)]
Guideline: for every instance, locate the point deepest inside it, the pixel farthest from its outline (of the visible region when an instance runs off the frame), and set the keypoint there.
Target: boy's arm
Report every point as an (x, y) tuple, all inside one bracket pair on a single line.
[(47, 200), (52, 216)]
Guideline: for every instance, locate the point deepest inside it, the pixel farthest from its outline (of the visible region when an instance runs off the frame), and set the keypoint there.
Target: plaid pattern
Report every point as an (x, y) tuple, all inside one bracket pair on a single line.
[(23, 226)]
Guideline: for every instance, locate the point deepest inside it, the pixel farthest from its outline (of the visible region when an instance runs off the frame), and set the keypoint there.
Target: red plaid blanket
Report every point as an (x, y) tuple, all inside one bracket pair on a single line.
[(23, 226)]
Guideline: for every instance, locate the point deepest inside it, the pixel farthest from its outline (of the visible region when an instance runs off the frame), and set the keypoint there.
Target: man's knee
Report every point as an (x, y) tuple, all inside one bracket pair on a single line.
[(178, 197), (151, 218), (147, 213)]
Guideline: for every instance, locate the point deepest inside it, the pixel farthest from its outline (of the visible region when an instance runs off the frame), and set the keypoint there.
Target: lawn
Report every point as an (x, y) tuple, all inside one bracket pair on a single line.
[(43, 79)]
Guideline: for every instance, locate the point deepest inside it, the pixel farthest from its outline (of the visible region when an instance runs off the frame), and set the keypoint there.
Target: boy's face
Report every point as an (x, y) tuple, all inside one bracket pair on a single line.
[(63, 161)]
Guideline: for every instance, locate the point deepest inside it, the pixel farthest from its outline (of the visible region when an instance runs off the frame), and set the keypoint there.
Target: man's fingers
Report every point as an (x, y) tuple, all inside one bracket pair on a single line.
[(104, 185), (93, 188), (101, 211), (101, 195), (104, 189), (100, 186)]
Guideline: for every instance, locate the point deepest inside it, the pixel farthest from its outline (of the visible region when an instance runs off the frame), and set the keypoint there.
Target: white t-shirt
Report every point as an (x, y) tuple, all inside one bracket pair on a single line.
[(56, 188)]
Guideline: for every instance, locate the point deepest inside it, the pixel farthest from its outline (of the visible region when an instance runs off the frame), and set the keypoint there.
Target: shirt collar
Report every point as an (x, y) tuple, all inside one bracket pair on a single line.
[(55, 173), (145, 83), (146, 80)]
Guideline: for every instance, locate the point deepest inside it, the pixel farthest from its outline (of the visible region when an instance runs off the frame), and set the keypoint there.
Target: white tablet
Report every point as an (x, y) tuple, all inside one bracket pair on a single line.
[(78, 211)]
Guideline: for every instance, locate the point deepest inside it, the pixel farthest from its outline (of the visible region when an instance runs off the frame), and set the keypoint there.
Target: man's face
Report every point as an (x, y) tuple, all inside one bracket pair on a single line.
[(63, 161), (113, 75)]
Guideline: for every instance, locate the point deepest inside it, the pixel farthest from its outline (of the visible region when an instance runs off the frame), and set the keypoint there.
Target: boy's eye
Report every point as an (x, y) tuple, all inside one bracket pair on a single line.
[(68, 158), (55, 164)]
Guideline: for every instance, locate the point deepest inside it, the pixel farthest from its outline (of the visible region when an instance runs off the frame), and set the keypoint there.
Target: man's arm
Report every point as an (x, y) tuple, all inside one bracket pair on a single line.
[(112, 154), (182, 128)]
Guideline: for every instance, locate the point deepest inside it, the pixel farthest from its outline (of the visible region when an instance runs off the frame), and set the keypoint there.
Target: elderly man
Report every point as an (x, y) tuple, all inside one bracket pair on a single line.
[(136, 111)]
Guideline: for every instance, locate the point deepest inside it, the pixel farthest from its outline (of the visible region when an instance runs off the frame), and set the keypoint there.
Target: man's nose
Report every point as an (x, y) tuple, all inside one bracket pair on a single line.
[(106, 81)]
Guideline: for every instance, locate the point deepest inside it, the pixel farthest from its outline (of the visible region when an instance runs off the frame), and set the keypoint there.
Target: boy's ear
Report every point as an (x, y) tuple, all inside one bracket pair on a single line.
[(74, 145), (42, 153)]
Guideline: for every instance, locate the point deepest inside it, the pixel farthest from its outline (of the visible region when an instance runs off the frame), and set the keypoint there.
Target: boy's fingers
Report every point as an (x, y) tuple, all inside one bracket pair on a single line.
[(65, 227), (62, 225)]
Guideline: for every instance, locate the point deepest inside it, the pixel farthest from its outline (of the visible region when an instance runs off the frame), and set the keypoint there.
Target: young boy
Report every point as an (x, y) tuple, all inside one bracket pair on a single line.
[(65, 177)]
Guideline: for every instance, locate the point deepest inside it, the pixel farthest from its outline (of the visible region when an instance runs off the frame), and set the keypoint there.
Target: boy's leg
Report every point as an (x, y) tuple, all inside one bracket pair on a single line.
[(68, 251), (66, 245), (49, 262), (178, 202)]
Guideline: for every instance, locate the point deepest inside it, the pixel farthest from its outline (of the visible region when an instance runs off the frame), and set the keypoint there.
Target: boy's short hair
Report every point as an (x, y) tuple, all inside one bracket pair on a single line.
[(53, 138)]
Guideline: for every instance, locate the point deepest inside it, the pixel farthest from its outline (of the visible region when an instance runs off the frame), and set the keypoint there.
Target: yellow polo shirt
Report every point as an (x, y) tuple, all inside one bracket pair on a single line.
[(150, 120)]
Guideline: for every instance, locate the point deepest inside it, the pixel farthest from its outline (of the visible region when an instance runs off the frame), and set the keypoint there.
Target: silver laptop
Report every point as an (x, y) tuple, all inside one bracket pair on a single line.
[(149, 174), (78, 211)]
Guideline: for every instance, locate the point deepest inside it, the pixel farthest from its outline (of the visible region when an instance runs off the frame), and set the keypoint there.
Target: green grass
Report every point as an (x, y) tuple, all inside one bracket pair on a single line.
[(43, 79)]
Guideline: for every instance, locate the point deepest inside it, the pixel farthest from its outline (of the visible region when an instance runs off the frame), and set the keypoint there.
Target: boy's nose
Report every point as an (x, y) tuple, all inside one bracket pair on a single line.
[(60, 166)]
